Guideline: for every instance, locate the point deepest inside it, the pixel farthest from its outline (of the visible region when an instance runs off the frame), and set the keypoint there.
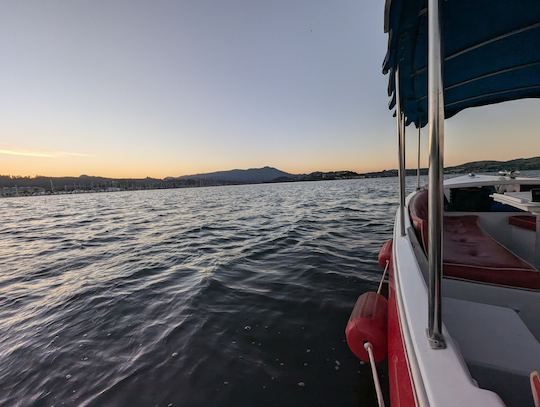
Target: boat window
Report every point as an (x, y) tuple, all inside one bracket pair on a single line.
[(525, 188), (471, 199), (475, 199)]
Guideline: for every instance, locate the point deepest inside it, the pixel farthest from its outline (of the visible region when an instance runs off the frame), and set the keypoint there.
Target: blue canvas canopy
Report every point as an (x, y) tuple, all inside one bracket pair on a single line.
[(491, 52)]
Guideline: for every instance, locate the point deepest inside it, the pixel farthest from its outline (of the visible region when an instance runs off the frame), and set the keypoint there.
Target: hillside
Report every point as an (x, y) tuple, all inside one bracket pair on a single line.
[(39, 185), (521, 164), (249, 176)]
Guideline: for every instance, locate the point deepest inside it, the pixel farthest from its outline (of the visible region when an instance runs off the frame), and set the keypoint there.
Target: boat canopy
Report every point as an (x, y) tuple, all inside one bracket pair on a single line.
[(491, 51)]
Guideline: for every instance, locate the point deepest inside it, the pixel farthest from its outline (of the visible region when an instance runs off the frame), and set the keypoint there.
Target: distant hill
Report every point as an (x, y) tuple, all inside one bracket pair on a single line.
[(521, 164), (249, 176), (18, 186), (320, 176), (264, 175)]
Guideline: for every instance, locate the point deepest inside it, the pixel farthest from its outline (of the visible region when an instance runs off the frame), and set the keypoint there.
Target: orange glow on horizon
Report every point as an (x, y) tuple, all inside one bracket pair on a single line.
[(45, 165), (475, 135)]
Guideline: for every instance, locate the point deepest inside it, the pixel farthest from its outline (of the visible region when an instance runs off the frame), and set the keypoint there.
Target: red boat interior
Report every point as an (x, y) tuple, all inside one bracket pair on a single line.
[(523, 221), (486, 280), (470, 253)]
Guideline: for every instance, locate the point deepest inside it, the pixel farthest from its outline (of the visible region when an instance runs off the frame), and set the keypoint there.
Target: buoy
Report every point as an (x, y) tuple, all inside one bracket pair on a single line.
[(367, 323), (535, 387), (385, 253)]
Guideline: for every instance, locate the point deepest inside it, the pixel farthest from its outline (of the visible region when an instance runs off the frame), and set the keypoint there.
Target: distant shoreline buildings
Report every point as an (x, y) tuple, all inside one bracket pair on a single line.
[(11, 186)]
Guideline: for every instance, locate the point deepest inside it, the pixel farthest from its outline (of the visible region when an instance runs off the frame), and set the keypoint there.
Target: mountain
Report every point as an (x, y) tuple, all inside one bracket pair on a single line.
[(39, 185), (249, 176), (487, 166), (319, 176), (521, 164)]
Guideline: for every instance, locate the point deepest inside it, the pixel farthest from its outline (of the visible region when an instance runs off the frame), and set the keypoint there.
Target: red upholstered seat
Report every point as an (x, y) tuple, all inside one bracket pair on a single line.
[(470, 253), (523, 221), (418, 211)]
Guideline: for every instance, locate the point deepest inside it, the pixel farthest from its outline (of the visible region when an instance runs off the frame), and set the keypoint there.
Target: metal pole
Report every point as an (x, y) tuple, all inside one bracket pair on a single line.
[(403, 171), (400, 127), (418, 162), (537, 244), (436, 147)]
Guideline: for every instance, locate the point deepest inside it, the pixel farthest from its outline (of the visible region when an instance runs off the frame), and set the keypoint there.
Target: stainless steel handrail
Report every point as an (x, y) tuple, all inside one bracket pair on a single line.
[(400, 130), (418, 160), (435, 195)]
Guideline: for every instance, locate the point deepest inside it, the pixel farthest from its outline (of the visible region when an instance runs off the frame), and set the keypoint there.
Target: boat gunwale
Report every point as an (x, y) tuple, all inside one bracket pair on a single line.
[(435, 373)]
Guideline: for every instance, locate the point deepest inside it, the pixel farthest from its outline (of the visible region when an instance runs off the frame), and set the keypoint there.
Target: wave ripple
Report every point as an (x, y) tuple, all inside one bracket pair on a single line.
[(223, 296)]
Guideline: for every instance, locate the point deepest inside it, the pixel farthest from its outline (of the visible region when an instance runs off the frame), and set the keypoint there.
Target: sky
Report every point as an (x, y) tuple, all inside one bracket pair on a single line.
[(130, 88)]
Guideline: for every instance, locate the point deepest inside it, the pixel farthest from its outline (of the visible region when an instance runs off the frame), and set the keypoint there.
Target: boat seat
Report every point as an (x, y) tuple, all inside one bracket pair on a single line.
[(470, 253), (523, 221), (497, 346)]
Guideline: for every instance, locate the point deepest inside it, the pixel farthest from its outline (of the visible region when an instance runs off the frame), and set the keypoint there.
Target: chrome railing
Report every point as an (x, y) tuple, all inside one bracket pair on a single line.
[(400, 129), (435, 195)]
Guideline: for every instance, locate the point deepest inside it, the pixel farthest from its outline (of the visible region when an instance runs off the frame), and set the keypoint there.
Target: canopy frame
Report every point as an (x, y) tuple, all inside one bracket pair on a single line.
[(400, 130), (484, 60), (435, 189)]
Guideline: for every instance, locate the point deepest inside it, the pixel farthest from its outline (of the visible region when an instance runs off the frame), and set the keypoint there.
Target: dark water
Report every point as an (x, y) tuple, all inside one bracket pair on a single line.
[(224, 296)]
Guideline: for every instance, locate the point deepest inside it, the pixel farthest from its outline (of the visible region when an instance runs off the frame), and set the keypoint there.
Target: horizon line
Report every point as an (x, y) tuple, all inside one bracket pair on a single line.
[(253, 168)]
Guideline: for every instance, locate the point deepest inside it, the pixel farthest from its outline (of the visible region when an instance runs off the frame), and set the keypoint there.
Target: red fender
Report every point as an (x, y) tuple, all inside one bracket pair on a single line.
[(385, 254), (535, 386), (368, 324)]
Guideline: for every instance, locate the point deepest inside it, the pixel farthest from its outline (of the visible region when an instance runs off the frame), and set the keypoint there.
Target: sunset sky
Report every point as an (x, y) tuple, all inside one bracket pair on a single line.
[(166, 88)]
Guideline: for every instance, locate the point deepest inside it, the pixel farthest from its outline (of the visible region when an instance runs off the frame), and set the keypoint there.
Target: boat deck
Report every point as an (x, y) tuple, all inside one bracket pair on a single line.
[(491, 303)]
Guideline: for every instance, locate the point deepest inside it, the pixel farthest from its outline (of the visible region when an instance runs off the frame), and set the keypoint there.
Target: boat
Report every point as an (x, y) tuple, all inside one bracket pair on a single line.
[(460, 324)]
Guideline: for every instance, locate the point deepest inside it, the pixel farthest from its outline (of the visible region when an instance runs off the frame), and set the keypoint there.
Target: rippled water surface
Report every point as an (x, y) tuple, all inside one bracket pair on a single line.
[(222, 296)]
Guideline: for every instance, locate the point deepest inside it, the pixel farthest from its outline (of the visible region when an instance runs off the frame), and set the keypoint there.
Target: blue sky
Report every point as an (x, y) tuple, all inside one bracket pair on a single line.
[(158, 88)]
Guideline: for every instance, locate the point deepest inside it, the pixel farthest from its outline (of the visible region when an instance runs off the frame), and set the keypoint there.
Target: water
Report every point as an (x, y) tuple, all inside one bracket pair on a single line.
[(222, 296)]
